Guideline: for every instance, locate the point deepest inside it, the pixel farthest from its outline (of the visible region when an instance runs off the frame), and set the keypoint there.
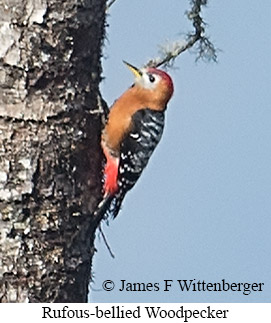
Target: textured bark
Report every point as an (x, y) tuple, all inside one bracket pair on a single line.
[(50, 158)]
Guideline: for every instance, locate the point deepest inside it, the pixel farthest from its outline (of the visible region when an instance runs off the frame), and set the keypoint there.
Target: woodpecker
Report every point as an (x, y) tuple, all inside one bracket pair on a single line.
[(133, 129)]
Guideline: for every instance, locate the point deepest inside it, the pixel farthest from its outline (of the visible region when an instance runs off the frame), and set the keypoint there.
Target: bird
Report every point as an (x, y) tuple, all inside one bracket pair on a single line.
[(132, 131)]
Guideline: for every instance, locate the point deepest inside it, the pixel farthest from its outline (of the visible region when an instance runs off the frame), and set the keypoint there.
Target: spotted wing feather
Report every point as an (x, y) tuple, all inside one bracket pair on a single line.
[(136, 149)]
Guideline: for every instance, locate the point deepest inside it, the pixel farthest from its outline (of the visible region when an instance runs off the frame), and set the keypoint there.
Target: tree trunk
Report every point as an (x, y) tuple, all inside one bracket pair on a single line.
[(50, 157)]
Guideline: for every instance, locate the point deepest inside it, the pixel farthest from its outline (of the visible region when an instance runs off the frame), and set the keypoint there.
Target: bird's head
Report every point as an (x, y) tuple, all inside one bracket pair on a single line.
[(158, 82)]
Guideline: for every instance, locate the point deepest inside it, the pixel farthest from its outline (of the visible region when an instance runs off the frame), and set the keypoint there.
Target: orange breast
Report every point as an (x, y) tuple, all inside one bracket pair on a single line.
[(119, 121)]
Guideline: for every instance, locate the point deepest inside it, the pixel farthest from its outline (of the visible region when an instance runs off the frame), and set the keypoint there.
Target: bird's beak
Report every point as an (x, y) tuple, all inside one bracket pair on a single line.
[(137, 73)]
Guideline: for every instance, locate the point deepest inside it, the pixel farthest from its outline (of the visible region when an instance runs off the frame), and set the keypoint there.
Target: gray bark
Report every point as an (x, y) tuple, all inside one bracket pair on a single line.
[(50, 157)]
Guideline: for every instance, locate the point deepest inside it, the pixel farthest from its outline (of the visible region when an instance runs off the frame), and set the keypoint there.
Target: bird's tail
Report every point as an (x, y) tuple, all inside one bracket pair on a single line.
[(103, 207), (116, 204), (109, 206)]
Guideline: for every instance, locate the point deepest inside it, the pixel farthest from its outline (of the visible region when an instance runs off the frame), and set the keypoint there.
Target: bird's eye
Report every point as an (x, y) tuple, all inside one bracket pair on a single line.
[(151, 78)]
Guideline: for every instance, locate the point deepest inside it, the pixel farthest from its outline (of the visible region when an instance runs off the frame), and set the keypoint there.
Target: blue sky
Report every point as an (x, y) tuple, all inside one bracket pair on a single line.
[(201, 209)]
